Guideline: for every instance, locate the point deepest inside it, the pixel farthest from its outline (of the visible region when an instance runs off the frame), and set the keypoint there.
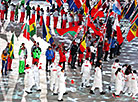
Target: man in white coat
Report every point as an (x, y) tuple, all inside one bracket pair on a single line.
[(62, 86), (53, 70), (97, 83), (134, 89), (59, 67), (30, 79), (36, 76), (85, 71), (114, 68)]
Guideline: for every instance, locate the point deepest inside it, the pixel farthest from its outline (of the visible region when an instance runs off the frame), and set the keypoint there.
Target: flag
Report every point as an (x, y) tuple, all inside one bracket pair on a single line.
[(133, 31), (59, 2), (93, 27), (118, 30), (83, 43), (86, 7), (95, 9), (117, 7), (72, 31), (26, 31), (130, 11), (11, 47), (32, 27), (99, 14), (72, 5), (27, 3), (50, 1), (78, 3), (134, 16), (47, 34)]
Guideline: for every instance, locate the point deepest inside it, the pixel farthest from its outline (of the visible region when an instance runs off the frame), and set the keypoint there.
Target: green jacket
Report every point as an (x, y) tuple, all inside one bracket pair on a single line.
[(37, 53), (16, 10), (28, 8)]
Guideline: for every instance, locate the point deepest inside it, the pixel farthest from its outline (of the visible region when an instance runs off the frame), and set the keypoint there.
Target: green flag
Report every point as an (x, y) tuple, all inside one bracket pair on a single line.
[(11, 47)]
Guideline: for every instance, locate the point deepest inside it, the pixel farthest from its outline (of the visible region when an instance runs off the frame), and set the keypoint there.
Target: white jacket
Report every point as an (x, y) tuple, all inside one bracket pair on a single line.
[(134, 87), (61, 81), (22, 55), (97, 78), (55, 14), (53, 69), (85, 69), (118, 82), (93, 49)]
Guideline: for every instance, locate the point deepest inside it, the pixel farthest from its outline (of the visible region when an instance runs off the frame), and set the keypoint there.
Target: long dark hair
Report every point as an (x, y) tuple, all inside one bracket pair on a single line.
[(128, 70), (118, 70)]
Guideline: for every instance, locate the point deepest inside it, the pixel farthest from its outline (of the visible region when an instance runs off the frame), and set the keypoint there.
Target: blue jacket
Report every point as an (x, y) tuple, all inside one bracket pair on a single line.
[(113, 43), (49, 54)]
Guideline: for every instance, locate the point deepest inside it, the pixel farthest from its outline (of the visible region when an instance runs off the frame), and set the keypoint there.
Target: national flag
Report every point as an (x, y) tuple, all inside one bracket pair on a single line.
[(47, 34), (11, 47), (135, 2), (93, 27), (32, 26), (27, 3), (99, 14), (50, 1), (72, 31), (72, 5), (26, 31), (78, 3), (130, 11), (95, 9), (134, 16), (59, 2), (117, 7), (133, 31), (83, 43), (86, 7), (118, 30)]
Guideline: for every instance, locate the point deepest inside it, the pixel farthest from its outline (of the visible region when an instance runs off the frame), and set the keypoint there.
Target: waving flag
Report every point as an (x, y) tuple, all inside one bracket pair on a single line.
[(27, 3), (32, 27), (50, 1), (118, 30), (47, 34), (26, 31), (117, 7), (72, 5), (130, 11), (133, 31), (86, 7), (59, 2), (11, 47), (135, 16), (78, 3)]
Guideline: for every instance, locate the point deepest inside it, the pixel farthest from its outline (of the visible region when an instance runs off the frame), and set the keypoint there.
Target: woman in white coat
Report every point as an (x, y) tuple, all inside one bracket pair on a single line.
[(118, 83), (97, 83), (85, 70), (62, 86), (134, 87)]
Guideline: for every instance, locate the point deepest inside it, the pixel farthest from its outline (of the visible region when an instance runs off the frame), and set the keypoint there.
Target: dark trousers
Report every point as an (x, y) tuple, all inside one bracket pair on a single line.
[(48, 62), (106, 54), (4, 65), (92, 57), (28, 15), (63, 64), (112, 51), (38, 17), (73, 61)]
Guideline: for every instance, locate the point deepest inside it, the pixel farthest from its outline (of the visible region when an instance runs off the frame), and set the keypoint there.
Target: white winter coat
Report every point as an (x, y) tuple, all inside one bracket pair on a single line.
[(134, 86), (118, 82), (53, 70), (85, 69), (97, 78), (22, 55), (61, 81)]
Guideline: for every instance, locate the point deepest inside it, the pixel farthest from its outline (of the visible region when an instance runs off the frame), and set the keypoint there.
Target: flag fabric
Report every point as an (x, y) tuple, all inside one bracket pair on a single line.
[(78, 3), (11, 47), (59, 2), (86, 7), (117, 7), (83, 46), (99, 14), (118, 30), (27, 3), (32, 27), (47, 34), (72, 5), (93, 27), (133, 31), (26, 31), (50, 1), (134, 16), (72, 31), (95, 9), (130, 11)]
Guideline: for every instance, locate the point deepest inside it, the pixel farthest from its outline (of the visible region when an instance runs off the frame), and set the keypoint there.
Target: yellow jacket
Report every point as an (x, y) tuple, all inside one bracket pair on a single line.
[(4, 57)]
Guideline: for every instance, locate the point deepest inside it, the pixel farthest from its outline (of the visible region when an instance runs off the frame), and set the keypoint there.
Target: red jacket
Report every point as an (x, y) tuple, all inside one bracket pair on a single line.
[(106, 46), (62, 56)]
